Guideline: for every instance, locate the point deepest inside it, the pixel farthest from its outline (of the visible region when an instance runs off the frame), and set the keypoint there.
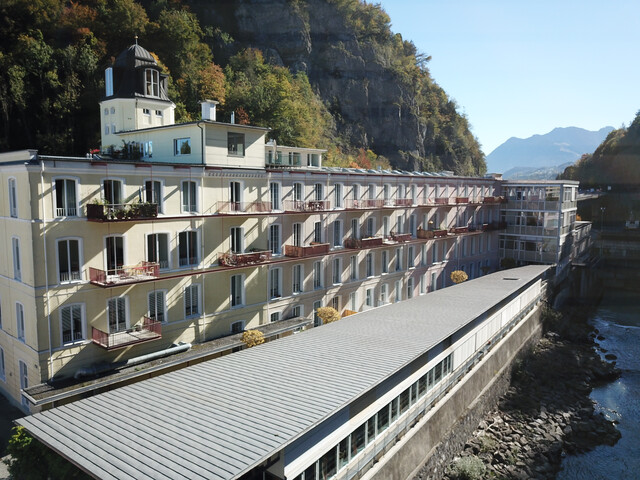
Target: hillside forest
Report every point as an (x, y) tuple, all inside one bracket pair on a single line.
[(319, 73)]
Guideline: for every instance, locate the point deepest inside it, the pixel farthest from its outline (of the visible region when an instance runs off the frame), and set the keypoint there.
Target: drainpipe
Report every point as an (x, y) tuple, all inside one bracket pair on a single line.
[(46, 271)]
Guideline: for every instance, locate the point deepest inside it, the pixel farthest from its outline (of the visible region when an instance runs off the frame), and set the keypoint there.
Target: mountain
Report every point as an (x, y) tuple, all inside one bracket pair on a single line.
[(319, 73), (615, 162), (559, 146), (533, 173)]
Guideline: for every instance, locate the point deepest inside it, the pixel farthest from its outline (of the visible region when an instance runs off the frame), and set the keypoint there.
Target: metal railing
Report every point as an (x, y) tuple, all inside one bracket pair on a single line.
[(149, 330), (124, 274), (231, 259), (243, 207), (111, 212), (306, 206)]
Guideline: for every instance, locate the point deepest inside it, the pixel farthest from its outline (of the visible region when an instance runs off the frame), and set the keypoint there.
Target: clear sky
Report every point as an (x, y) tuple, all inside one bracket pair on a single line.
[(518, 68)]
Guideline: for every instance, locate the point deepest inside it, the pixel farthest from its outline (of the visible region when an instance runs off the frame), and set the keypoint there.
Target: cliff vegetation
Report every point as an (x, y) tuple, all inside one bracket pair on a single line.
[(320, 73)]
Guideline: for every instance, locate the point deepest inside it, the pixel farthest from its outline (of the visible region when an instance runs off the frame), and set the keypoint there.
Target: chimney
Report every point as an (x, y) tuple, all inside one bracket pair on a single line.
[(208, 109)]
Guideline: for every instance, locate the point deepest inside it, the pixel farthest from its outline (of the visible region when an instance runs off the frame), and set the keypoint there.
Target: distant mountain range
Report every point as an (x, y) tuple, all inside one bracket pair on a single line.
[(544, 156)]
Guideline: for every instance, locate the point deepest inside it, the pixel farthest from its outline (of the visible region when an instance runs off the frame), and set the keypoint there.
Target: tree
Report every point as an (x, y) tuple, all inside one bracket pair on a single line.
[(328, 314), (459, 276), (507, 263)]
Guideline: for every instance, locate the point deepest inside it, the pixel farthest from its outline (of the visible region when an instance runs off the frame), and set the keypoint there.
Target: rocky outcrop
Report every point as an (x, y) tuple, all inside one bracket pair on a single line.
[(377, 103)]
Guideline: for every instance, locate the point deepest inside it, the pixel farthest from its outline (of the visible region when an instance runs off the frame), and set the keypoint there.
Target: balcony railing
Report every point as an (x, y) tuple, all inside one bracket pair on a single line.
[(368, 242), (244, 207), (306, 251), (366, 203), (442, 201), (459, 230), (149, 330), (124, 274), (231, 259), (112, 212), (492, 200), (403, 202), (398, 237), (306, 206)]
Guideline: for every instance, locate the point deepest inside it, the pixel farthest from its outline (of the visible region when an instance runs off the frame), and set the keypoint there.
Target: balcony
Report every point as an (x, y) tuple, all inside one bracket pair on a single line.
[(368, 242), (308, 206), (114, 212), (493, 200), (460, 200), (403, 202), (244, 207), (149, 330), (231, 259), (398, 237), (459, 230), (442, 201), (306, 251), (124, 274), (366, 203)]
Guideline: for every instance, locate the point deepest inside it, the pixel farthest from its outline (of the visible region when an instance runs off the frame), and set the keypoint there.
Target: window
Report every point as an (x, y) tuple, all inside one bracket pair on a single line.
[(112, 190), (355, 228), (369, 262), (237, 327), (386, 194), (298, 277), (20, 321), (337, 271), (410, 257), (398, 259), (385, 262), (275, 283), (297, 234), (146, 111), (237, 290), (181, 146), (71, 321), (275, 242), (317, 321), (115, 254), (69, 261), (157, 306), (371, 192), (66, 205), (410, 288), (434, 252), (371, 227), (189, 196), (151, 83), (274, 317), (191, 301), (106, 129), (423, 255), (337, 233), (317, 232), (317, 275), (355, 194), (17, 265), (117, 314), (158, 249), (274, 189), (296, 311), (368, 299), (414, 195), (434, 282), (235, 143), (235, 196), (353, 267), (13, 198), (318, 193), (423, 284), (337, 195), (298, 189), (153, 193), (353, 301), (385, 226), (413, 228), (335, 303), (158, 113), (400, 224), (24, 381), (398, 290), (383, 294), (188, 248), (3, 375), (236, 239)]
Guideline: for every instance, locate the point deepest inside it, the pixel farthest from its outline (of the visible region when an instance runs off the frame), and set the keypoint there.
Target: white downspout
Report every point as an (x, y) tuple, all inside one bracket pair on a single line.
[(46, 271)]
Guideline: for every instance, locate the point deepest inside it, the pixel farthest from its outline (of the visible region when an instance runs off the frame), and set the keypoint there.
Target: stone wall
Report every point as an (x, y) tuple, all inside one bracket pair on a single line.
[(426, 450)]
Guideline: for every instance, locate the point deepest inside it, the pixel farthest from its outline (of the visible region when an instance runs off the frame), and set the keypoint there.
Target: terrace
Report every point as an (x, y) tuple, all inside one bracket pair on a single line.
[(124, 274), (231, 259), (113, 212), (244, 207), (147, 331)]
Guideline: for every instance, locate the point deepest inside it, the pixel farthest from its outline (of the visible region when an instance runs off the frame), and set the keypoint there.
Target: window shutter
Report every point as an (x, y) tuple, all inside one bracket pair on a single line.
[(66, 324)]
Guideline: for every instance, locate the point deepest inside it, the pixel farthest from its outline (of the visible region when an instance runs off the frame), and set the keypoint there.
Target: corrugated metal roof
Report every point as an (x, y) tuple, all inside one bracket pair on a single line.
[(217, 419)]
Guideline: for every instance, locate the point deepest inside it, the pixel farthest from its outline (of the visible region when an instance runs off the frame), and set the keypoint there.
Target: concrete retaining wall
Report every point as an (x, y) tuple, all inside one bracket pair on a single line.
[(431, 445)]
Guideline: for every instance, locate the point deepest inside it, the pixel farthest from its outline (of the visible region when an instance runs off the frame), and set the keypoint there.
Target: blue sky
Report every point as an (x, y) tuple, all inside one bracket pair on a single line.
[(519, 68)]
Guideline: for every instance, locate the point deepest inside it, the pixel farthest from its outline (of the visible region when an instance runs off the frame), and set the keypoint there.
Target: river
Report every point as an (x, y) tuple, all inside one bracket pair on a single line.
[(617, 319)]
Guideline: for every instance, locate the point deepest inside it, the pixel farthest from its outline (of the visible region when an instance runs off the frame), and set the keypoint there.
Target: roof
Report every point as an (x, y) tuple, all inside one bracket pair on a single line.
[(134, 56), (219, 419)]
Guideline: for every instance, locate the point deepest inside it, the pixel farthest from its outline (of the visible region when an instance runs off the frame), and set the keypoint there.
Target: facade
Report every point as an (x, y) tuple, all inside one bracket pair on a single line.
[(190, 232)]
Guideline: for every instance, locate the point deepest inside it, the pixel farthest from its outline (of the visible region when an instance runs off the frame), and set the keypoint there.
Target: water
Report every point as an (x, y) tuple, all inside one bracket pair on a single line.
[(618, 320)]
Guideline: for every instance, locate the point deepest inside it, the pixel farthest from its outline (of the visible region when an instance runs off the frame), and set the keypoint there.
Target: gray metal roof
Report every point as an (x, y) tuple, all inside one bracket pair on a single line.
[(218, 419)]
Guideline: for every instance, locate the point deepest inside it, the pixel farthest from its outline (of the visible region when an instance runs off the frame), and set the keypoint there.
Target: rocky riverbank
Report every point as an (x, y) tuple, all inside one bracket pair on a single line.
[(546, 413)]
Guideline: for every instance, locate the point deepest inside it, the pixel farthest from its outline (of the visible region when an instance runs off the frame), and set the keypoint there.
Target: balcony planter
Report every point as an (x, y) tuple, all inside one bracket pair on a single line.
[(425, 233), (459, 230), (439, 233), (306, 251), (231, 259), (462, 199)]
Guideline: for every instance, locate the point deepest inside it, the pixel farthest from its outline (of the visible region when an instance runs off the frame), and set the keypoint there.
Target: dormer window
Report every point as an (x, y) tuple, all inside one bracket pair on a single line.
[(151, 82)]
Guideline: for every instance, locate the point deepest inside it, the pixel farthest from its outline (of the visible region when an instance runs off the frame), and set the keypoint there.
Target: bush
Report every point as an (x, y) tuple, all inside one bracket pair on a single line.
[(468, 468), (32, 460), (251, 338), (459, 276), (328, 314)]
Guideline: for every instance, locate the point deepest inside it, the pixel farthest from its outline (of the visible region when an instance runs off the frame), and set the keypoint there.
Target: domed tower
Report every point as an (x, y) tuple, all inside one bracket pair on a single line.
[(135, 96)]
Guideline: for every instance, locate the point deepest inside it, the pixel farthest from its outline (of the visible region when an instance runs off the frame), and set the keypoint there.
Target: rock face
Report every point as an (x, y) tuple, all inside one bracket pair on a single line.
[(376, 102)]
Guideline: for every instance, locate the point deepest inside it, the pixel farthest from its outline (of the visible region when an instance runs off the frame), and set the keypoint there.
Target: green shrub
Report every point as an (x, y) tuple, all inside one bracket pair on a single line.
[(31, 460), (468, 468)]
